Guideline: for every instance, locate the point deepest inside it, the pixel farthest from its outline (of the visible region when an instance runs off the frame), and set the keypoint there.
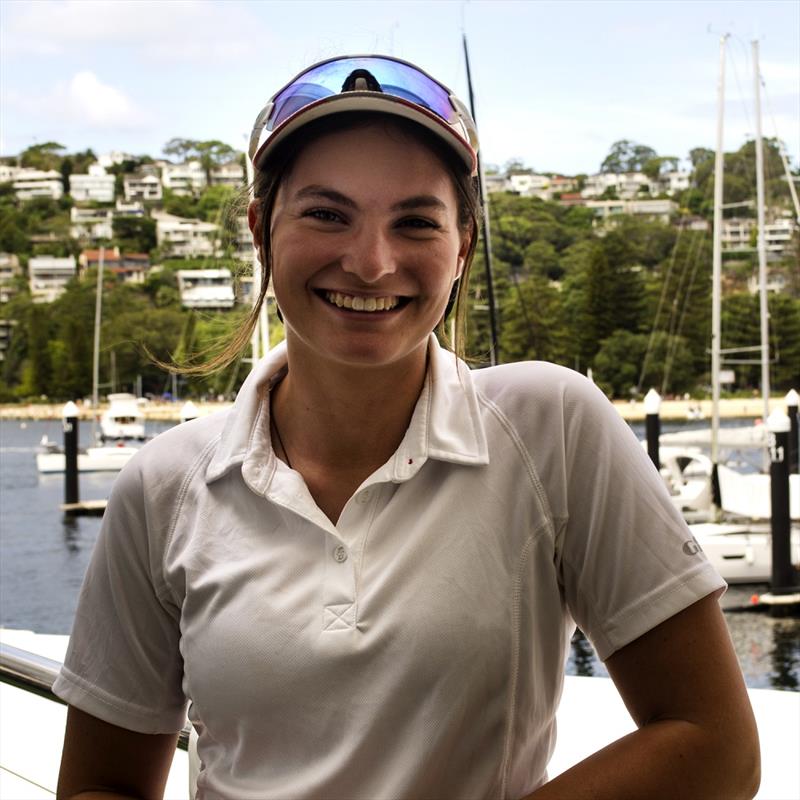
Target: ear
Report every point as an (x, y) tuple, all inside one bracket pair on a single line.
[(254, 219), (466, 241)]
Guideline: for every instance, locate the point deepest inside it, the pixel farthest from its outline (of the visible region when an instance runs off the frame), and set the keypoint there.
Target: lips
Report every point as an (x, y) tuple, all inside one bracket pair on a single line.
[(369, 304)]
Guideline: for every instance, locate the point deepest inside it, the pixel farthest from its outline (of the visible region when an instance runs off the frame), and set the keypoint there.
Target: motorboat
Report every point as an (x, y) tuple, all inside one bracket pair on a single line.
[(742, 553), (50, 457), (123, 419)]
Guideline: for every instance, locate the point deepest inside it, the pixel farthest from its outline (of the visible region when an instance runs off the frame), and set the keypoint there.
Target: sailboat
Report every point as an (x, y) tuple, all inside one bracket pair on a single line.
[(741, 548), (50, 456)]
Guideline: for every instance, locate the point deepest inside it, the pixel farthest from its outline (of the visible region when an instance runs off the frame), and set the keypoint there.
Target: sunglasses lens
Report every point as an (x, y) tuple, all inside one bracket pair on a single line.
[(396, 79)]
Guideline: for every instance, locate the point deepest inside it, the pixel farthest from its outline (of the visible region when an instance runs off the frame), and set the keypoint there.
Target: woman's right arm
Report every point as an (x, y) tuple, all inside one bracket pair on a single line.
[(104, 761)]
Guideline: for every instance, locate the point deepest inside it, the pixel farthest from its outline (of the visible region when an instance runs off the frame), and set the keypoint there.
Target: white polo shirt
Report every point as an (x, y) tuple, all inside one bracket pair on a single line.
[(416, 648)]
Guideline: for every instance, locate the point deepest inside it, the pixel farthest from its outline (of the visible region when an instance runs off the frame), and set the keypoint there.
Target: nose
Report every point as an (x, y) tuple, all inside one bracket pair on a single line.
[(370, 255)]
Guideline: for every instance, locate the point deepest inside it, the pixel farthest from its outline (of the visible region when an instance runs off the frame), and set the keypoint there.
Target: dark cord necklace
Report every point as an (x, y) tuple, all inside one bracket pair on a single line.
[(274, 426)]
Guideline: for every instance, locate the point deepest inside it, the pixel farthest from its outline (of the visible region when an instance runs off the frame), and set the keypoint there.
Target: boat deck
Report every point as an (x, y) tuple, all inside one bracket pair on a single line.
[(591, 716)]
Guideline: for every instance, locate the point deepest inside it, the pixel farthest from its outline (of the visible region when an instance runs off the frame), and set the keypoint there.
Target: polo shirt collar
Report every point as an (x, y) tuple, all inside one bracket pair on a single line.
[(446, 424), (243, 429)]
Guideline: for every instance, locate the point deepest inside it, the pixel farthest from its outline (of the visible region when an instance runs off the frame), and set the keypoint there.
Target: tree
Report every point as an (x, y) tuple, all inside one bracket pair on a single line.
[(627, 156), (656, 166), (45, 156), (533, 322), (212, 154), (698, 155), (135, 234), (183, 149), (619, 362), (209, 153)]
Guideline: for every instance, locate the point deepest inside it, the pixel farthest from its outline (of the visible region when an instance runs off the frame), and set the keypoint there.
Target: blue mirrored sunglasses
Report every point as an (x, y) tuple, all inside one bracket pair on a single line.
[(396, 78), (380, 74)]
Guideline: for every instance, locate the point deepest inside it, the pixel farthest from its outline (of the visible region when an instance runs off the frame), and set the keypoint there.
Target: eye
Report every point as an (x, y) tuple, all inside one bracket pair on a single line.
[(323, 215), (420, 223)]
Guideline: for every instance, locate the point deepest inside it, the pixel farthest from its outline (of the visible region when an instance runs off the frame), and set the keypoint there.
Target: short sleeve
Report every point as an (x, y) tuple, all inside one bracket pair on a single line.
[(627, 558), (123, 663)]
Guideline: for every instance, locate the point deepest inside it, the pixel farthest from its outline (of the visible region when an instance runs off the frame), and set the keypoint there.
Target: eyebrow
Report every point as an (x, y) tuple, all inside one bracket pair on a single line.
[(410, 203)]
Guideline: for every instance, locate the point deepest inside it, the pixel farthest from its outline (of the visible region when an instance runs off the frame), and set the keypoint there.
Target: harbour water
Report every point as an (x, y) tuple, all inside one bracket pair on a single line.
[(43, 557)]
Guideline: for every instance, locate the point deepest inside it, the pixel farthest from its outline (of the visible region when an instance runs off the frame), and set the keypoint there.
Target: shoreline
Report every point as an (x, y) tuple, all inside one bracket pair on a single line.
[(671, 410)]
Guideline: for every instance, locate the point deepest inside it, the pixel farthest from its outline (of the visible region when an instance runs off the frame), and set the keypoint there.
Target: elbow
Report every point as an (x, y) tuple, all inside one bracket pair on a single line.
[(742, 765), (751, 772)]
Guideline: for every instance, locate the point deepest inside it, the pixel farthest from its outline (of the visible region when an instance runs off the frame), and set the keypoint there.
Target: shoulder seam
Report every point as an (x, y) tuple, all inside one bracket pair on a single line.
[(179, 500), (533, 477)]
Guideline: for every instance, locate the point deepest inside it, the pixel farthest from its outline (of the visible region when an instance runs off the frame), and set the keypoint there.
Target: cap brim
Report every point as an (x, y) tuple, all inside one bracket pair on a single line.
[(366, 101)]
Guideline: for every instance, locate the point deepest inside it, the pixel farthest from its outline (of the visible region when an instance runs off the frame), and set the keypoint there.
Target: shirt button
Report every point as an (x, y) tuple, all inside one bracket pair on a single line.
[(340, 554), (364, 497)]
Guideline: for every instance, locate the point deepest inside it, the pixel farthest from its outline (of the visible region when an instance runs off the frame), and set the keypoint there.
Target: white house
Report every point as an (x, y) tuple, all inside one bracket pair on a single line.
[(9, 269), (661, 210), (676, 181), (91, 223), (183, 179), (132, 209), (30, 183), (186, 238), (736, 233), (496, 182), (142, 187), (230, 174), (776, 282), (530, 185), (96, 185), (778, 235), (114, 157), (206, 288), (244, 241), (48, 276), (8, 173), (627, 185)]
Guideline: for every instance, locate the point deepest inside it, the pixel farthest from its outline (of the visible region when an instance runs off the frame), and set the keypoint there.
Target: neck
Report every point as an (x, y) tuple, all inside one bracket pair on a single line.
[(346, 418)]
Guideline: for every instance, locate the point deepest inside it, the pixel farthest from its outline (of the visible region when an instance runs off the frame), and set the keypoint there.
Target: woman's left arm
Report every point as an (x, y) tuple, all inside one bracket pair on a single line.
[(696, 736)]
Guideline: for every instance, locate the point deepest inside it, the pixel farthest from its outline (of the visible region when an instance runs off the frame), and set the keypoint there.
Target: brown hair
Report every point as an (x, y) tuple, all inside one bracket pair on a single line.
[(274, 170)]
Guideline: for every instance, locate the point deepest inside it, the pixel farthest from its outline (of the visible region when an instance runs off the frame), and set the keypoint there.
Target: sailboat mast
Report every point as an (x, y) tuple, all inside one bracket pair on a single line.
[(494, 353), (762, 239), (716, 279), (98, 314), (259, 340)]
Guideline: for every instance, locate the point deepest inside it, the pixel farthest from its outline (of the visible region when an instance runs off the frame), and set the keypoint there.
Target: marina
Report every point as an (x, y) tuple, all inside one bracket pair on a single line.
[(45, 554)]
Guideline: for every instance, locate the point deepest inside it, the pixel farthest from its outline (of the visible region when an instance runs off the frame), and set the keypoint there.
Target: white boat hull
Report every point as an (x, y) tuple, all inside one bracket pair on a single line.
[(95, 459), (741, 553)]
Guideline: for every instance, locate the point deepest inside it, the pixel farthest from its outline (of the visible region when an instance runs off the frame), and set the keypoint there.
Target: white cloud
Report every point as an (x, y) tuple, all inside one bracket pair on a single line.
[(84, 101), (98, 104)]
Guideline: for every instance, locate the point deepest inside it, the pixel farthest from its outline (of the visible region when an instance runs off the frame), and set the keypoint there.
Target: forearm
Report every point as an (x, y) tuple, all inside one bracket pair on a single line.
[(664, 759)]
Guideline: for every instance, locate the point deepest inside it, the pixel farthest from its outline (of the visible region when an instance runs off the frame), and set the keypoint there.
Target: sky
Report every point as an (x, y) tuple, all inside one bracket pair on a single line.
[(556, 83)]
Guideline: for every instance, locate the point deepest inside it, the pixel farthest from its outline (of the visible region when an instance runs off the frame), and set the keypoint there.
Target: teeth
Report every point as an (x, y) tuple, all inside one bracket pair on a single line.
[(362, 303)]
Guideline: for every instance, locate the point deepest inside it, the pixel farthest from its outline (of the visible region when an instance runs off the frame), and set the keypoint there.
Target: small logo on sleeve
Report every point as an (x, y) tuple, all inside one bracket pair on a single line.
[(691, 547)]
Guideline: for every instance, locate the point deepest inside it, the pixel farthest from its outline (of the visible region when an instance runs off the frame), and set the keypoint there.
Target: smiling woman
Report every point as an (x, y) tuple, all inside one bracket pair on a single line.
[(362, 580)]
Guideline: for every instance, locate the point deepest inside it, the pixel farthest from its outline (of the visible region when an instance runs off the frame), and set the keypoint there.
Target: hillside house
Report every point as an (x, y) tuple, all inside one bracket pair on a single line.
[(30, 183), (91, 223), (206, 288), (186, 238), (661, 210), (231, 174), (95, 186), (183, 179), (48, 276), (143, 188), (126, 267)]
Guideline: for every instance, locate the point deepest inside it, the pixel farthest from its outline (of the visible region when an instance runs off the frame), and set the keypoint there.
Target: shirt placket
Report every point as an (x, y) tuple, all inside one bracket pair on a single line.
[(342, 559)]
